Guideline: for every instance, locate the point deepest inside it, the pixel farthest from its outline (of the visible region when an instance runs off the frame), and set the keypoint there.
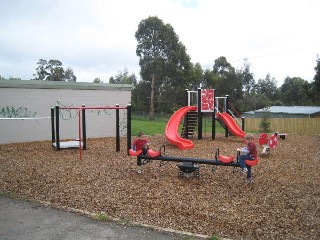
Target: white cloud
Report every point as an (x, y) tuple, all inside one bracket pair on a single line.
[(96, 37)]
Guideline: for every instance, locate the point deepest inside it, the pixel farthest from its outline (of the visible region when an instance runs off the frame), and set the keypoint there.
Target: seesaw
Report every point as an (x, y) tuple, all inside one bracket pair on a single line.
[(190, 166)]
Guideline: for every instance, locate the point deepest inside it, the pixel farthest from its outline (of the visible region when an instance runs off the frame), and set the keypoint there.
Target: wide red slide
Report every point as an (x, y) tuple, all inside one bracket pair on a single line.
[(172, 129), (231, 124)]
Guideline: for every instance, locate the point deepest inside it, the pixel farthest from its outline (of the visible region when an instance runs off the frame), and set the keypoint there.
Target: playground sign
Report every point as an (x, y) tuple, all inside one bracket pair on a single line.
[(207, 100)]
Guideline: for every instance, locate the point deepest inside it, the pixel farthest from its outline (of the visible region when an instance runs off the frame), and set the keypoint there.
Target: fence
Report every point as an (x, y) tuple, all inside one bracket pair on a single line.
[(307, 126)]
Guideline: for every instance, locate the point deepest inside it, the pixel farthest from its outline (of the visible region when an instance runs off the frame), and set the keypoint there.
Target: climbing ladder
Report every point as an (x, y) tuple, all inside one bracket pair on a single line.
[(189, 124)]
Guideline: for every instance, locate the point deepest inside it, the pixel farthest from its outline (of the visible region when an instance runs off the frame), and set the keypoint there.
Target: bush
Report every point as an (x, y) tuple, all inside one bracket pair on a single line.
[(265, 123)]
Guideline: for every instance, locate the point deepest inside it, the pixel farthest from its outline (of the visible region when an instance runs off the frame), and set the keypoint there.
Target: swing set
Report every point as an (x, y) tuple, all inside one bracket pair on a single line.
[(82, 133)]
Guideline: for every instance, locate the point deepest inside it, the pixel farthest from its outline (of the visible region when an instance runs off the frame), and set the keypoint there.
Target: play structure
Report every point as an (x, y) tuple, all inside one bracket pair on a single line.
[(82, 132), (206, 102), (189, 167)]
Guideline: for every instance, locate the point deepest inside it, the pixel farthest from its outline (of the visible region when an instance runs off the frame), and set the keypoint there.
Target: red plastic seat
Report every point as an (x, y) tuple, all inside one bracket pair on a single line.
[(263, 139), (251, 163), (225, 159), (153, 154), (134, 153)]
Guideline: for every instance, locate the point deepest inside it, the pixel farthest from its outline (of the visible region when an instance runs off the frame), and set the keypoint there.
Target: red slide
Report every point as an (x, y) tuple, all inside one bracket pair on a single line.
[(173, 126), (231, 124)]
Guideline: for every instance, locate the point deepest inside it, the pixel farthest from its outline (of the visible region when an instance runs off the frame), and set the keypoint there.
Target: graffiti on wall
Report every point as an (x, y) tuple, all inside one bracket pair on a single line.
[(67, 114), (19, 112)]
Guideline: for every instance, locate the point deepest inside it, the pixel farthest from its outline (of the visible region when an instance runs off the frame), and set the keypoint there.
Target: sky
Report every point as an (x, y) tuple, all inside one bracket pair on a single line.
[(95, 38)]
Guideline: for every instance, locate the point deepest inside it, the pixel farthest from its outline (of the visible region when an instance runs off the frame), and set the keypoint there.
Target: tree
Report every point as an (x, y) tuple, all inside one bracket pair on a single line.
[(264, 125), (246, 77), (294, 91), (268, 87), (69, 75), (56, 71), (227, 81), (97, 80), (141, 97), (196, 76), (41, 70), (211, 80), (253, 101), (53, 71), (14, 78), (123, 77), (316, 77), (316, 84), (165, 65)]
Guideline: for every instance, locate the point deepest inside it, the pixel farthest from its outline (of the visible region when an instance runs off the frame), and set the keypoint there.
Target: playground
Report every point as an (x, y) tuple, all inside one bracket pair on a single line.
[(282, 203)]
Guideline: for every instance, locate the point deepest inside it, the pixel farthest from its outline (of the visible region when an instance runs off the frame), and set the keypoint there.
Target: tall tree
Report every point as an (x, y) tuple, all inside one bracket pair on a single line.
[(56, 71), (228, 82), (53, 71), (316, 83), (69, 75), (41, 70), (163, 59), (196, 76), (246, 77)]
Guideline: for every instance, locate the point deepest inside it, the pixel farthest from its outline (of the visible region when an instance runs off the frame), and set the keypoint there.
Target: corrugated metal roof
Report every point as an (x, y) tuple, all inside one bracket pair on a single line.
[(292, 109)]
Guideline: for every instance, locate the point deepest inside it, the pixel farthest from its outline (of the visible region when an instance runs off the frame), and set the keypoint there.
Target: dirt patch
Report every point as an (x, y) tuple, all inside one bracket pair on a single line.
[(282, 203)]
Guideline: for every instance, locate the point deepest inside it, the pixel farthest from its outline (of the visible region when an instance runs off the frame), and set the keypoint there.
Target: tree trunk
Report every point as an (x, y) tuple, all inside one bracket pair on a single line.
[(151, 113)]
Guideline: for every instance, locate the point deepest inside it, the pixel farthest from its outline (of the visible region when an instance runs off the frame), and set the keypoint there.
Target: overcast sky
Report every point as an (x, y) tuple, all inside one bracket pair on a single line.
[(96, 37)]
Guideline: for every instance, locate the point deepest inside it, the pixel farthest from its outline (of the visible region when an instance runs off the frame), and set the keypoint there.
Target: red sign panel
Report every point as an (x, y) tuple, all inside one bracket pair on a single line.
[(207, 100)]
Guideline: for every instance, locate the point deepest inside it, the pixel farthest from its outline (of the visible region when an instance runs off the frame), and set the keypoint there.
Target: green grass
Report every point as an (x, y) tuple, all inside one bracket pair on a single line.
[(8, 194), (147, 127), (102, 217), (158, 126)]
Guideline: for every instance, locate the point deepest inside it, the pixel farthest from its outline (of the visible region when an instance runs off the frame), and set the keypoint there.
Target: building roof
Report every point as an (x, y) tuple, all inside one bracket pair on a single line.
[(307, 110), (63, 85)]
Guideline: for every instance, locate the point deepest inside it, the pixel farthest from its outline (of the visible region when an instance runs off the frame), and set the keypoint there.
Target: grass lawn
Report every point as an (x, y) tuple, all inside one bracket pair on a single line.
[(158, 126)]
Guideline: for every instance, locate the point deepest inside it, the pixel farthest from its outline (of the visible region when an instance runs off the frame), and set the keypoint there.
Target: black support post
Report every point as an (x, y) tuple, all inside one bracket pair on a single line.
[(199, 115), (117, 129), (187, 97), (128, 128), (186, 122), (226, 103), (84, 132), (213, 133), (57, 128), (242, 123), (53, 135)]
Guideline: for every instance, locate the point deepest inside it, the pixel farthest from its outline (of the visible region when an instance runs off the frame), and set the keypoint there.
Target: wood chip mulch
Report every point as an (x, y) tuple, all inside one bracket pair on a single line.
[(282, 203)]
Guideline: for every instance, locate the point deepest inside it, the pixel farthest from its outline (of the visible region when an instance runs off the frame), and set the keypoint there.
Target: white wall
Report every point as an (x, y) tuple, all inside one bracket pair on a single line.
[(34, 99)]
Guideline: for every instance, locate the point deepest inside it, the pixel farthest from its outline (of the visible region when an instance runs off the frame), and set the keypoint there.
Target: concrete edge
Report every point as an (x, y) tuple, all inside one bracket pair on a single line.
[(131, 223)]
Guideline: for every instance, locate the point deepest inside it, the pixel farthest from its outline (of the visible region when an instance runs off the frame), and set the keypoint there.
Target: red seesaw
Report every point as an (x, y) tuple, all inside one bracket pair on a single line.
[(188, 165)]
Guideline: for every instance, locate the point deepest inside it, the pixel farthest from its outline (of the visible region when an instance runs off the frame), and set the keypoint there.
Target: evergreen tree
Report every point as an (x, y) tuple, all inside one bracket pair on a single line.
[(165, 65)]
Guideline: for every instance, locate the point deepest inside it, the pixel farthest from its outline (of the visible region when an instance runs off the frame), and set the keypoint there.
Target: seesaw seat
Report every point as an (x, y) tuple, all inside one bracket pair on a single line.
[(251, 163), (225, 159), (134, 153), (153, 154)]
